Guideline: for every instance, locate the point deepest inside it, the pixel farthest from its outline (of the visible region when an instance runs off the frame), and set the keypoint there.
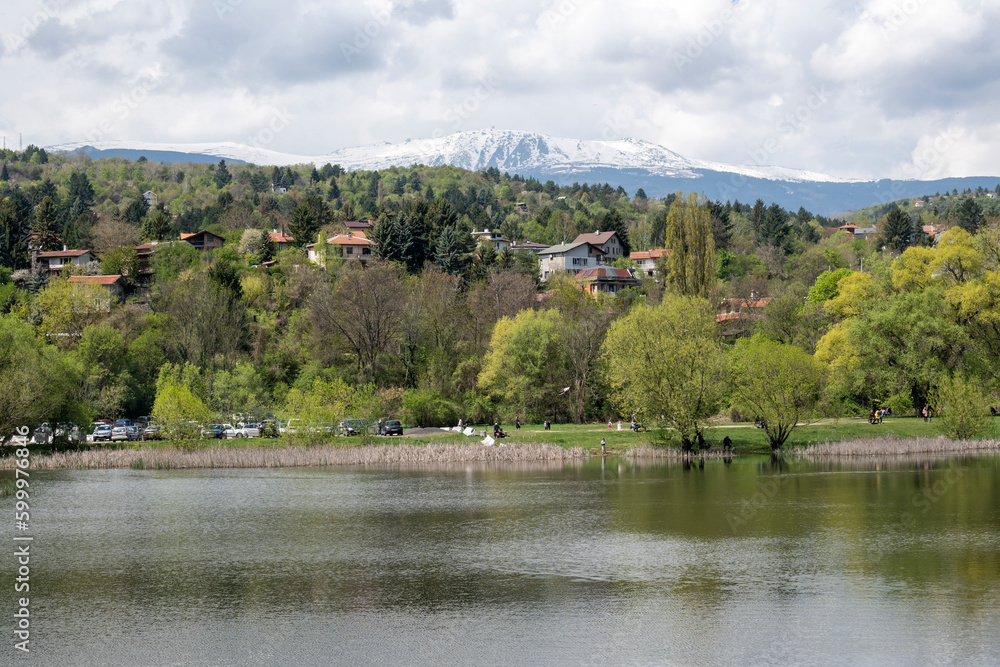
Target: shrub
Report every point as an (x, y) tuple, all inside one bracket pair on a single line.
[(966, 407), (426, 407)]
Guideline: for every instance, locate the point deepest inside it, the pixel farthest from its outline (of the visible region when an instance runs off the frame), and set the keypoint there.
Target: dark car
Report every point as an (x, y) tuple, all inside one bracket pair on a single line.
[(213, 431), (351, 427), (391, 427)]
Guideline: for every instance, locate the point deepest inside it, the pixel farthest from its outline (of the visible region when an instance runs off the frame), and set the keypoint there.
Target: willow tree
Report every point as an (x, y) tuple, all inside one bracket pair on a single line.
[(665, 364), (690, 266)]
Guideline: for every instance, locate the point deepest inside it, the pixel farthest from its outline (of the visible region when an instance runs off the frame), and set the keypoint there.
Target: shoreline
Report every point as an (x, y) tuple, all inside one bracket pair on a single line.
[(294, 456)]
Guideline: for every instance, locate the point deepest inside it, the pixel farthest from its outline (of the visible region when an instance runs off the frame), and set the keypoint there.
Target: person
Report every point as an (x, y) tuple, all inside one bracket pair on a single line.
[(517, 423), (635, 426), (603, 446), (548, 425), (727, 444), (925, 413), (619, 426), (930, 415)]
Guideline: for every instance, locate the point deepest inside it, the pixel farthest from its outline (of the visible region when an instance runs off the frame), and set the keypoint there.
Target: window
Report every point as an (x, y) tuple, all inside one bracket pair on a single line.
[(350, 250)]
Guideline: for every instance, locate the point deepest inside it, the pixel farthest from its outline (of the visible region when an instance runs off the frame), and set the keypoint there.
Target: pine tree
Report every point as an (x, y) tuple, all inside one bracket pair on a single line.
[(4, 175), (222, 175), (44, 227), (447, 255), (757, 214), (303, 225), (896, 230), (775, 226)]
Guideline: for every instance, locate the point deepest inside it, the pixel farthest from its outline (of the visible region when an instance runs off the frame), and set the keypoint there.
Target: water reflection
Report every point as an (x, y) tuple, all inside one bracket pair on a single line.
[(748, 560)]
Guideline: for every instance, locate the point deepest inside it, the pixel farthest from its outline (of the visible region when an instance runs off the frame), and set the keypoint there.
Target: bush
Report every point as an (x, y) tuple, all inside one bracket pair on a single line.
[(425, 407), (966, 407)]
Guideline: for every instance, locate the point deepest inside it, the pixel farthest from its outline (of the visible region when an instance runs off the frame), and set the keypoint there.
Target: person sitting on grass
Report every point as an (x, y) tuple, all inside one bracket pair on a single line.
[(498, 432)]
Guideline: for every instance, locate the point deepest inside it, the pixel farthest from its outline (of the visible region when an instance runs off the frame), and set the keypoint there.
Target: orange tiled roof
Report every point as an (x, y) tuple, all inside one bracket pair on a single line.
[(95, 280), (281, 237)]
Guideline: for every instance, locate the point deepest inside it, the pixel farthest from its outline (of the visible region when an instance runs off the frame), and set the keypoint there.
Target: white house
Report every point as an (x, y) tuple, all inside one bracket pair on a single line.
[(493, 238), (606, 241), (646, 259), (55, 260), (568, 258)]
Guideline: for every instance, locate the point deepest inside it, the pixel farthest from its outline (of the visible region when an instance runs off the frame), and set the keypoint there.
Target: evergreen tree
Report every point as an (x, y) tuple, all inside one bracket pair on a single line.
[(448, 255), (334, 191), (157, 225), (80, 188), (4, 175), (13, 233), (222, 175), (392, 239), (303, 225), (45, 226), (896, 230), (774, 229), (612, 221), (970, 215), (640, 194), (314, 176), (757, 214), (276, 176)]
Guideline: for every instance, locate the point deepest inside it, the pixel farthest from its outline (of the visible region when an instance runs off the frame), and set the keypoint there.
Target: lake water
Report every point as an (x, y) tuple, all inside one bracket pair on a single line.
[(588, 564)]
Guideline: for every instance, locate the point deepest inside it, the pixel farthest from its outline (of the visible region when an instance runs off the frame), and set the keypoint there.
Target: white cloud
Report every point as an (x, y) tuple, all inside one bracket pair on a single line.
[(713, 80)]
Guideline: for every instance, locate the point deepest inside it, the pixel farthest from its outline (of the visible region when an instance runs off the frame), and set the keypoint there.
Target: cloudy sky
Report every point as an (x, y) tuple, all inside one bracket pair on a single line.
[(875, 88)]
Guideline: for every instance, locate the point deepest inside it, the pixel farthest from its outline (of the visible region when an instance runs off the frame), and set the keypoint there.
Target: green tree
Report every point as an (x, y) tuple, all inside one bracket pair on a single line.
[(690, 266), (970, 215), (4, 174), (774, 229), (45, 226), (448, 255), (303, 225), (180, 404), (121, 262), (157, 225), (526, 364), (780, 384), (966, 406), (665, 364), (896, 229), (826, 285), (222, 176)]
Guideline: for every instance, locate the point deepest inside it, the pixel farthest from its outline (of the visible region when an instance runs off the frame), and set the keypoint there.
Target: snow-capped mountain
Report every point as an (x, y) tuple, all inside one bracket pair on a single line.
[(629, 163), (507, 150)]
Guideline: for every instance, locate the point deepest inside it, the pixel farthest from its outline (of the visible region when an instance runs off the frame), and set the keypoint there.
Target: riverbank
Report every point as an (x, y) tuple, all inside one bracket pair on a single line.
[(173, 458), (895, 446)]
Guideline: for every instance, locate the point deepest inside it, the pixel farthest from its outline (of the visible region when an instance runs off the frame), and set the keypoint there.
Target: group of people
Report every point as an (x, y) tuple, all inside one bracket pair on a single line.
[(875, 415)]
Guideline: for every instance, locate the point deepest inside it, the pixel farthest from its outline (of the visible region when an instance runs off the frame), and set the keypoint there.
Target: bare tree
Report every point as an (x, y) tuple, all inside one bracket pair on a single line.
[(362, 314)]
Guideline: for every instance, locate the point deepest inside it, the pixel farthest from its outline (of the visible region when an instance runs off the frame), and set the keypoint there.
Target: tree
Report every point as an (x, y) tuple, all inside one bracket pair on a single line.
[(774, 228), (222, 176), (966, 406), (896, 230), (4, 174), (114, 232), (780, 384), (665, 364), (826, 285), (612, 221), (157, 224), (13, 234), (690, 265), (361, 315), (80, 188), (392, 240), (180, 403), (970, 215), (448, 255), (45, 226), (303, 225), (526, 363)]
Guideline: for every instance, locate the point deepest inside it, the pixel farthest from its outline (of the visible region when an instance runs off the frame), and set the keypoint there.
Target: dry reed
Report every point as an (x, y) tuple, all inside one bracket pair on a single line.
[(646, 452), (894, 446), (170, 458)]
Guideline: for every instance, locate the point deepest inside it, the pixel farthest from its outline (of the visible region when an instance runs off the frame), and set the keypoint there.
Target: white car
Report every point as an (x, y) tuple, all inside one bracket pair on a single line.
[(240, 431)]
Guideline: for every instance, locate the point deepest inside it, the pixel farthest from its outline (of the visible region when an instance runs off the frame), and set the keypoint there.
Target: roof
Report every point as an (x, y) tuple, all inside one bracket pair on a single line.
[(95, 280), (748, 303), (349, 239), (185, 237), (648, 254), (528, 245), (597, 238), (727, 317), (50, 254), (358, 224), (281, 237), (567, 247), (606, 273)]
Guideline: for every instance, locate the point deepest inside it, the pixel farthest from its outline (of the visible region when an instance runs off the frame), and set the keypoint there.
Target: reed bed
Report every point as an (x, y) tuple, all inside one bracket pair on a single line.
[(646, 452), (894, 446), (171, 458)]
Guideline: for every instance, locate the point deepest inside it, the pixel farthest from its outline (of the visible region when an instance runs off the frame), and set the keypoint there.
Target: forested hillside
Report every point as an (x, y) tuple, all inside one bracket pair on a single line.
[(436, 328)]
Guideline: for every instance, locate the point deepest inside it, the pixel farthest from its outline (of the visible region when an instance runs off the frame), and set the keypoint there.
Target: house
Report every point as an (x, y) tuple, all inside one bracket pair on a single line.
[(859, 232), (920, 203), (150, 198), (144, 253), (203, 240), (352, 245), (606, 241), (493, 238), (521, 207), (606, 280), (646, 259), (528, 247), (359, 225), (278, 188), (115, 289), (568, 258), (281, 240), (54, 260), (737, 317), (932, 231)]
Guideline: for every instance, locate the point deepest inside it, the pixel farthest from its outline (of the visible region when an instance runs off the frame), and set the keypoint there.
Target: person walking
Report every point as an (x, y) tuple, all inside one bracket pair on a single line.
[(517, 423), (603, 447)]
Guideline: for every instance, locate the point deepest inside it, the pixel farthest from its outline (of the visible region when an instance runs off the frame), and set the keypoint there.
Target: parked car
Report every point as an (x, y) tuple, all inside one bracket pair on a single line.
[(351, 427), (152, 432), (119, 433), (391, 427), (250, 430), (102, 432), (133, 432), (213, 431)]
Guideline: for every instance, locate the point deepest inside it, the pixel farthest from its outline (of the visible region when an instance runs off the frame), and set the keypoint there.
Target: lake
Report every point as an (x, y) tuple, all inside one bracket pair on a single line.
[(747, 562)]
